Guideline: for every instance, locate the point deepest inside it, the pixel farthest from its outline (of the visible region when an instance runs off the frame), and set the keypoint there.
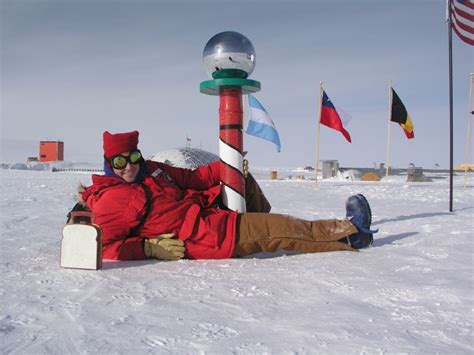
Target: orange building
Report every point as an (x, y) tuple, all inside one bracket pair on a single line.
[(51, 151)]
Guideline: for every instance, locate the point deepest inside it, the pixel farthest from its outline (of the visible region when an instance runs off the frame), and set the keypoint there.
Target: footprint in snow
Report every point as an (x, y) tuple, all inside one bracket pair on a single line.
[(211, 331)]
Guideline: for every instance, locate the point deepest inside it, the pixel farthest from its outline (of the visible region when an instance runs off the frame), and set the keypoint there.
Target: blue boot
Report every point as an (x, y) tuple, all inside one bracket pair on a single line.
[(359, 213), (359, 240)]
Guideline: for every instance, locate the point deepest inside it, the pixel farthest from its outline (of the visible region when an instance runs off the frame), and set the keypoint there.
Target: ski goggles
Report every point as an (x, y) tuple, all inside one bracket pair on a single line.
[(120, 161)]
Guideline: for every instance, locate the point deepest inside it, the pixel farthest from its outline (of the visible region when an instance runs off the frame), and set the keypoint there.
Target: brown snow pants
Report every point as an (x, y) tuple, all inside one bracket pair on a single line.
[(260, 231), (255, 200)]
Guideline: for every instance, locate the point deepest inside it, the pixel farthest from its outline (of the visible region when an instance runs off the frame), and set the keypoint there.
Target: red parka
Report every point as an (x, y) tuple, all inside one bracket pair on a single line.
[(181, 201)]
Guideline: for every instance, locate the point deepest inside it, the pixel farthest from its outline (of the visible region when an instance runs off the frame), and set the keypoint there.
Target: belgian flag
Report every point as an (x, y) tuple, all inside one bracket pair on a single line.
[(400, 115)]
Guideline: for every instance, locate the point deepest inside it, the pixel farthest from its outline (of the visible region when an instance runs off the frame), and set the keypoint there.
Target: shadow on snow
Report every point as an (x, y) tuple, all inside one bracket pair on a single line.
[(413, 216), (392, 238)]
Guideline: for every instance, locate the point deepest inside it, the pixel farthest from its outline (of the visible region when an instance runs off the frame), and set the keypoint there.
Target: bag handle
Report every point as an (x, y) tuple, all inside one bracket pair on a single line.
[(82, 217)]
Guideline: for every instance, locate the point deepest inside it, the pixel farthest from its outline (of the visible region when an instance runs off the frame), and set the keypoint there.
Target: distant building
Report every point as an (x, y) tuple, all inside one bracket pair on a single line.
[(32, 160), (468, 167), (185, 157), (329, 168), (51, 151)]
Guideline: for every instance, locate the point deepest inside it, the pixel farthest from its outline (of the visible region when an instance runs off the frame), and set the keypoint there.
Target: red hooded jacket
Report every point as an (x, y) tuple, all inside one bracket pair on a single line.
[(181, 201)]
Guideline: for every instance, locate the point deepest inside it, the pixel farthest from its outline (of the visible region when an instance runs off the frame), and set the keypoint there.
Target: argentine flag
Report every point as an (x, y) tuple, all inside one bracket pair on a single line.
[(260, 124)]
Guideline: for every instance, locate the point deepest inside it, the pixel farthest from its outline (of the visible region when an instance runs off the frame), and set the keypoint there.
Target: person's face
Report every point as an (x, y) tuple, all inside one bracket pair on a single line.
[(129, 173)]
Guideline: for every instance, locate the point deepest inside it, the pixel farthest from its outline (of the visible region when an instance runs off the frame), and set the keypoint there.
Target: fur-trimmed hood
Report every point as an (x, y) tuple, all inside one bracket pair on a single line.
[(80, 200)]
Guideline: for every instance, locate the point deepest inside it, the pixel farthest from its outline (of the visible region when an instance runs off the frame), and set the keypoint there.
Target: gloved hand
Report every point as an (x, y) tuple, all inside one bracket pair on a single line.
[(164, 247)]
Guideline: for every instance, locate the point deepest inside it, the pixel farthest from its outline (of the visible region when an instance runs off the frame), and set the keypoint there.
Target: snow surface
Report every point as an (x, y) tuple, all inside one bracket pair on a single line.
[(412, 292)]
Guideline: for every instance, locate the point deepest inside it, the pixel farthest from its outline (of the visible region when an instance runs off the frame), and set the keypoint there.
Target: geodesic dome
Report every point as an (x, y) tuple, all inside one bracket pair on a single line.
[(189, 158)]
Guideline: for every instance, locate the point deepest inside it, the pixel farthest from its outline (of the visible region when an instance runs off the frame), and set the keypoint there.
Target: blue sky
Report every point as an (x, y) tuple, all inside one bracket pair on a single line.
[(72, 69)]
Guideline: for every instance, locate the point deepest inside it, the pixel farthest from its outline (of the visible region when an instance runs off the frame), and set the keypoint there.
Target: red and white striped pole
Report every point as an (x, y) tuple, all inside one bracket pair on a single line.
[(231, 148)]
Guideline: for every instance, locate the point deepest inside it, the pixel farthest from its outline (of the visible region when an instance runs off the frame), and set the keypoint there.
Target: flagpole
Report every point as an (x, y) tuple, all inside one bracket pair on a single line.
[(388, 129), (468, 133), (319, 129), (450, 40)]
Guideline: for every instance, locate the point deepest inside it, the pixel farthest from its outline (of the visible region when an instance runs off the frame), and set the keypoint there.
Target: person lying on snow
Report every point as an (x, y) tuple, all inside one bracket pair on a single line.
[(148, 209)]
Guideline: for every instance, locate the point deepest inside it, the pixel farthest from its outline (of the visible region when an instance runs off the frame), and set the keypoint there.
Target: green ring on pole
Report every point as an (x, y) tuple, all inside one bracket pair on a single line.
[(229, 73), (213, 87)]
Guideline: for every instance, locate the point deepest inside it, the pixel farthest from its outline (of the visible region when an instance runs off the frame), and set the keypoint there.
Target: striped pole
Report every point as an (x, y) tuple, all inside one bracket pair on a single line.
[(231, 148), (230, 85)]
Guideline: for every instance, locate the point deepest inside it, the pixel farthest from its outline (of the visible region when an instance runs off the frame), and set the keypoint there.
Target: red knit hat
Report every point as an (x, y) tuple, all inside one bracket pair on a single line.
[(119, 143)]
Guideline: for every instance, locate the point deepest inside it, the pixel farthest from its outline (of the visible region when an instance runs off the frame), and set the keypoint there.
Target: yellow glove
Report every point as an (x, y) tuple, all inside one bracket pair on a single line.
[(165, 247)]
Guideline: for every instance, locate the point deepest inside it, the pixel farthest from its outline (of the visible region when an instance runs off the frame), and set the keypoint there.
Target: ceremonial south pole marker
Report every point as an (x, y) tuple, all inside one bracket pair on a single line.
[(229, 58)]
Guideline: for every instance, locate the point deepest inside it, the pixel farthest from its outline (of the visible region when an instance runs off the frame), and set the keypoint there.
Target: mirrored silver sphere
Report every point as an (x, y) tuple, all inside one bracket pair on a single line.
[(229, 50)]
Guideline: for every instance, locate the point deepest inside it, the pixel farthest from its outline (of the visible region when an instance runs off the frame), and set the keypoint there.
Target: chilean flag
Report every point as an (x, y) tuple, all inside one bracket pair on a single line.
[(333, 118)]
